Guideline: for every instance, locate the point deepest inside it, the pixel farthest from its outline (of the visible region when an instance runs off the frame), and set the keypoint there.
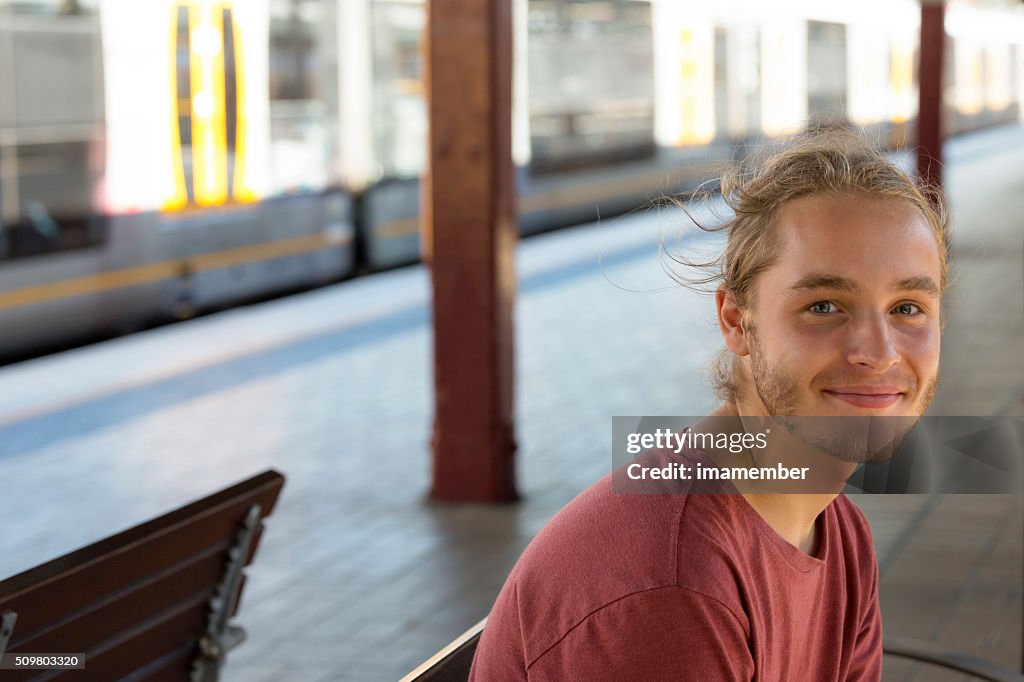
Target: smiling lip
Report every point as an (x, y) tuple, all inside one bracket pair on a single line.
[(867, 396)]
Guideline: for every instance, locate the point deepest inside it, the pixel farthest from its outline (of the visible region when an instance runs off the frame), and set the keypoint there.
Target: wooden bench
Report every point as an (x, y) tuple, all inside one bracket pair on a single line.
[(452, 663), (152, 603)]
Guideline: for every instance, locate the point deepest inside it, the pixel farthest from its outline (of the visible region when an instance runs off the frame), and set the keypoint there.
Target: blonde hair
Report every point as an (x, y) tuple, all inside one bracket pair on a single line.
[(830, 160)]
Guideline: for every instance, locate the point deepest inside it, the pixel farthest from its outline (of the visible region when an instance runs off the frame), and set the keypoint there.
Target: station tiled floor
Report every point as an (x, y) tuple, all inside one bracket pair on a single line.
[(359, 577)]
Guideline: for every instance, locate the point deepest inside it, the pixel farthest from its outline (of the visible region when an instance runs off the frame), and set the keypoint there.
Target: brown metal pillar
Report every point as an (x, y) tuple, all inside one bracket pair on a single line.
[(469, 240), (929, 111)]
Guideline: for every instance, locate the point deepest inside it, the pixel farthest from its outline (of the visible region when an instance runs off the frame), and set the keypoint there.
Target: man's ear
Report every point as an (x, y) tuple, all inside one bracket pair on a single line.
[(730, 322)]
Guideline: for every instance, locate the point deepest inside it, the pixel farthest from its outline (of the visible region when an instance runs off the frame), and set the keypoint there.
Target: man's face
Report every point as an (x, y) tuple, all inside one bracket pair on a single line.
[(846, 321)]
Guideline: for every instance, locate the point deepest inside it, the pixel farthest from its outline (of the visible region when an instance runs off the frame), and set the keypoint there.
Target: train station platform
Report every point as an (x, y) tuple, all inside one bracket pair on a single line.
[(359, 577)]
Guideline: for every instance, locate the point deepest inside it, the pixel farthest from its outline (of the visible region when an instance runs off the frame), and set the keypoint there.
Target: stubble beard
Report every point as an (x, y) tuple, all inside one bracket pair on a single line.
[(849, 439)]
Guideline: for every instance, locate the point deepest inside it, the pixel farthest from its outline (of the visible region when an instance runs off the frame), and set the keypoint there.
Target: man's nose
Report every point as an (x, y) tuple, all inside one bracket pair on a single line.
[(870, 343)]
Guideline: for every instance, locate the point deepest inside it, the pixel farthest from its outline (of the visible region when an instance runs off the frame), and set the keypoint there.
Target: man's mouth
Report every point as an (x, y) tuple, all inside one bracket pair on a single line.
[(867, 396)]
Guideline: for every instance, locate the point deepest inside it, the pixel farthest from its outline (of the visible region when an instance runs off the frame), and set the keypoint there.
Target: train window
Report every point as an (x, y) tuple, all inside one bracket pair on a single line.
[(590, 66), (589, 17), (399, 104), (826, 75), (293, 50), (50, 208), (303, 96), (51, 7)]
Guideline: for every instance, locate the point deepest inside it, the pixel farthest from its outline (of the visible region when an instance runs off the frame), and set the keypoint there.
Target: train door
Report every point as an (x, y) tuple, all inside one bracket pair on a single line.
[(721, 80), (686, 75), (868, 57), (224, 162), (52, 222), (394, 125), (1018, 67), (51, 118), (743, 80), (902, 87), (784, 69), (999, 79)]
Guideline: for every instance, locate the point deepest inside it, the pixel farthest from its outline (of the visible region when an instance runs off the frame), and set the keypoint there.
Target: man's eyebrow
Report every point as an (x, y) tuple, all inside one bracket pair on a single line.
[(919, 283), (817, 281)]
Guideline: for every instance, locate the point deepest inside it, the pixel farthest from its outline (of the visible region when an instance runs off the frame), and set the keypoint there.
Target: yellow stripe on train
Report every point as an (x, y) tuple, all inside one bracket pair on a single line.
[(169, 269)]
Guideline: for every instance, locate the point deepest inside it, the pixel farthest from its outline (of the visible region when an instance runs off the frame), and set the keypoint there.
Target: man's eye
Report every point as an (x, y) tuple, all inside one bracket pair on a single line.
[(823, 307), (907, 309)]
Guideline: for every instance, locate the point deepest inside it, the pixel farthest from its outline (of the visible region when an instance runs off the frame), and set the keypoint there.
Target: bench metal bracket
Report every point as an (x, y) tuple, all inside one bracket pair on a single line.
[(220, 636), (6, 629)]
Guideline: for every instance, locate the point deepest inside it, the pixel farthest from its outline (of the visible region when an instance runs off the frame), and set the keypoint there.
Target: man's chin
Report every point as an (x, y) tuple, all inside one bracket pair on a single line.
[(856, 438)]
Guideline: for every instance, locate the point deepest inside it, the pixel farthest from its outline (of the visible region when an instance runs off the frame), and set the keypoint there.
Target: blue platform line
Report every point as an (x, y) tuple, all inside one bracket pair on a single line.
[(81, 419)]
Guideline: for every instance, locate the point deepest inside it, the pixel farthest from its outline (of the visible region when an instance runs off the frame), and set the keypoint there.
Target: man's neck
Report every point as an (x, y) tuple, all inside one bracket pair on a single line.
[(792, 515)]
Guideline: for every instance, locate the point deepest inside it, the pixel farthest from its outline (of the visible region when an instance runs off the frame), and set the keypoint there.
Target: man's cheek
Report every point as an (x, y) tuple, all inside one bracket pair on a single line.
[(921, 348), (807, 347)]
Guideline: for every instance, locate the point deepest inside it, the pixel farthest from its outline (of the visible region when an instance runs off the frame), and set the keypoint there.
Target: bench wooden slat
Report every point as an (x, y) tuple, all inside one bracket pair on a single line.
[(167, 668), (150, 641), (138, 603), (120, 657), (193, 580)]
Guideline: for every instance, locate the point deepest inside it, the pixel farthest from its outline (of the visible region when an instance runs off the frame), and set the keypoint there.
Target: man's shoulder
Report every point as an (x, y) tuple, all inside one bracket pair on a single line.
[(606, 548), (600, 529)]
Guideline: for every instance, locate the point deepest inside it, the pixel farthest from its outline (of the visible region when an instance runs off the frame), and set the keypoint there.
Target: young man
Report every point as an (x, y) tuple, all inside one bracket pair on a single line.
[(829, 305)]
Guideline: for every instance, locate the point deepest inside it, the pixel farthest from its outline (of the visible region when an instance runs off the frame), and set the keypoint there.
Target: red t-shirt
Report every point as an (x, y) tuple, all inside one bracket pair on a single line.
[(685, 587)]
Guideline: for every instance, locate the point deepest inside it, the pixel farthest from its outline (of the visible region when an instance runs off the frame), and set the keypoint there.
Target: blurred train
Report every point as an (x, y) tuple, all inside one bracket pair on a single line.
[(161, 158)]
